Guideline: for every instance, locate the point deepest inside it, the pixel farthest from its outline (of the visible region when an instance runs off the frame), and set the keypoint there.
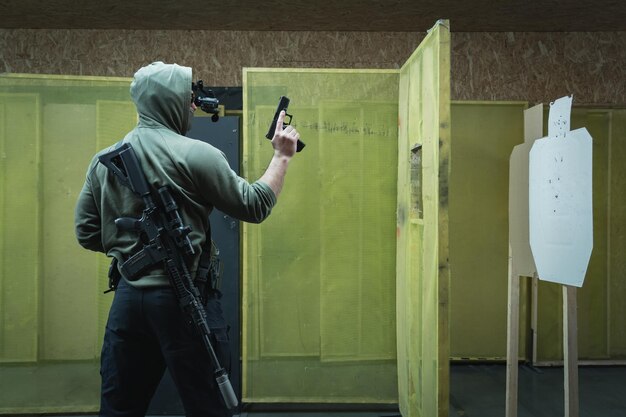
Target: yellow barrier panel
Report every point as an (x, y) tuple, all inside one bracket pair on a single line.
[(319, 274), (484, 135), (52, 310), (423, 269), (20, 144)]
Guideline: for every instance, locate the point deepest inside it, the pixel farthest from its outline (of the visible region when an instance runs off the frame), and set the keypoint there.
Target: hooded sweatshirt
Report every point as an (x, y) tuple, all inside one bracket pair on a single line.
[(197, 173)]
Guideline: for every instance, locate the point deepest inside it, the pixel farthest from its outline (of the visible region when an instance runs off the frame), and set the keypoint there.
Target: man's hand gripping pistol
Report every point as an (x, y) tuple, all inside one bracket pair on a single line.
[(283, 103)]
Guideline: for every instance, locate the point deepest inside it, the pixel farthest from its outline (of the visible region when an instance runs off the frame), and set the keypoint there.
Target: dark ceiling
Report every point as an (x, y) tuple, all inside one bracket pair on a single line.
[(311, 15)]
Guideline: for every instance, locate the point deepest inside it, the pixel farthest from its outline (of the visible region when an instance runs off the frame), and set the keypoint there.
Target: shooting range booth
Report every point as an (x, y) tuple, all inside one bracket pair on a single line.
[(381, 274), (378, 143)]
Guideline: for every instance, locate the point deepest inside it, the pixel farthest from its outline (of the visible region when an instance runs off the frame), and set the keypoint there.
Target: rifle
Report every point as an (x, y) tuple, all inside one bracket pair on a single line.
[(283, 103), (166, 237)]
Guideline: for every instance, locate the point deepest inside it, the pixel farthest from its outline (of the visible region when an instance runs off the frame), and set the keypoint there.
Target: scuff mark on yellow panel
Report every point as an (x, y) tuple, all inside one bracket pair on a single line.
[(423, 271)]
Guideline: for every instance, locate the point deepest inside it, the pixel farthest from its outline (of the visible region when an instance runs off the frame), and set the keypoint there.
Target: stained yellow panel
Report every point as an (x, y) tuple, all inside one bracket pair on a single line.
[(423, 266)]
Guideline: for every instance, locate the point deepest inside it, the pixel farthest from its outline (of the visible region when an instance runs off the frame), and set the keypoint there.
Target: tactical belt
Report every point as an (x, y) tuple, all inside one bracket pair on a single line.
[(208, 276)]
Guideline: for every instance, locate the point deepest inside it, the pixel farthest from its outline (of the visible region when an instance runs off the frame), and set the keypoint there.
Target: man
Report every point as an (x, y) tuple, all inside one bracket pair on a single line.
[(146, 330)]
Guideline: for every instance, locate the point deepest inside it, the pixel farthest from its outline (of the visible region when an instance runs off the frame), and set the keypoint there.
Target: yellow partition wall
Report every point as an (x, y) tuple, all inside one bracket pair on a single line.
[(319, 274), (20, 225), (423, 267), (601, 307), (52, 309), (484, 135), (617, 236)]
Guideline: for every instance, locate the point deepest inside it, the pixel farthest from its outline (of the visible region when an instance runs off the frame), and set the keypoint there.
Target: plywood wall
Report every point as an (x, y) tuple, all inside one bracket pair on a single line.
[(540, 67), (537, 67), (216, 56)]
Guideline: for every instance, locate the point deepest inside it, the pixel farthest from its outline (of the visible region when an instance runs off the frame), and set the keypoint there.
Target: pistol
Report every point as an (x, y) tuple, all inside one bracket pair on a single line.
[(283, 104)]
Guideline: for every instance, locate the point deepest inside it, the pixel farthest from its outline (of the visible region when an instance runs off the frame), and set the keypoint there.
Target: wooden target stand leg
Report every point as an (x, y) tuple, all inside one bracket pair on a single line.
[(570, 347), (570, 351), (512, 341)]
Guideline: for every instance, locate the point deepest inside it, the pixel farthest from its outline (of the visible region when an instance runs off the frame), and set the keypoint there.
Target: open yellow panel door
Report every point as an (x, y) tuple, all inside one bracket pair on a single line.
[(423, 269), (319, 276)]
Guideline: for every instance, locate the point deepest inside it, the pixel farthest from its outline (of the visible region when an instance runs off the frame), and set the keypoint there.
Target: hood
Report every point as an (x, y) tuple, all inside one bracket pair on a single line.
[(162, 94)]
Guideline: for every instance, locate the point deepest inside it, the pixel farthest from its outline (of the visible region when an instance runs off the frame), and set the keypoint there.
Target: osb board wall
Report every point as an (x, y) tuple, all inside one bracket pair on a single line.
[(537, 67), (540, 67), (217, 57)]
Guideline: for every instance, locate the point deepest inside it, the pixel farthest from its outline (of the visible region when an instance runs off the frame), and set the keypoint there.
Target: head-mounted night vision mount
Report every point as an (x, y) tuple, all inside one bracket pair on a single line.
[(205, 100)]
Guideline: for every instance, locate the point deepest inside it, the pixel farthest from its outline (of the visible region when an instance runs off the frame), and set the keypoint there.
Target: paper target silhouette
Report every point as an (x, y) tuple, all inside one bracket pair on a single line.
[(560, 199)]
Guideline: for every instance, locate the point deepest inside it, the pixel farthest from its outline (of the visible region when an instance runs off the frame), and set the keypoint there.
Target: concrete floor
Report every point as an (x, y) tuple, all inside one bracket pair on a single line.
[(476, 390), (480, 391)]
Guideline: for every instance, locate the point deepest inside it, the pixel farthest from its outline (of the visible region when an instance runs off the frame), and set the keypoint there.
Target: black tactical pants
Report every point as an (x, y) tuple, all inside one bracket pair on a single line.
[(145, 333)]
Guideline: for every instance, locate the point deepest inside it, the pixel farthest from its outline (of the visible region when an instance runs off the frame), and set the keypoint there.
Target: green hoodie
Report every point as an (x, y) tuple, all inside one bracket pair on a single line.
[(198, 174)]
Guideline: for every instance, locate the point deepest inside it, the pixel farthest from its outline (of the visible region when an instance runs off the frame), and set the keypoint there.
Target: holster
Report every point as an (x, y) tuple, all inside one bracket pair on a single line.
[(114, 276), (209, 274)]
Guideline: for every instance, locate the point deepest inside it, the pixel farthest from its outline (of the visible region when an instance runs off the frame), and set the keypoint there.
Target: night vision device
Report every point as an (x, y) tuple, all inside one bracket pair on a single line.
[(205, 100)]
